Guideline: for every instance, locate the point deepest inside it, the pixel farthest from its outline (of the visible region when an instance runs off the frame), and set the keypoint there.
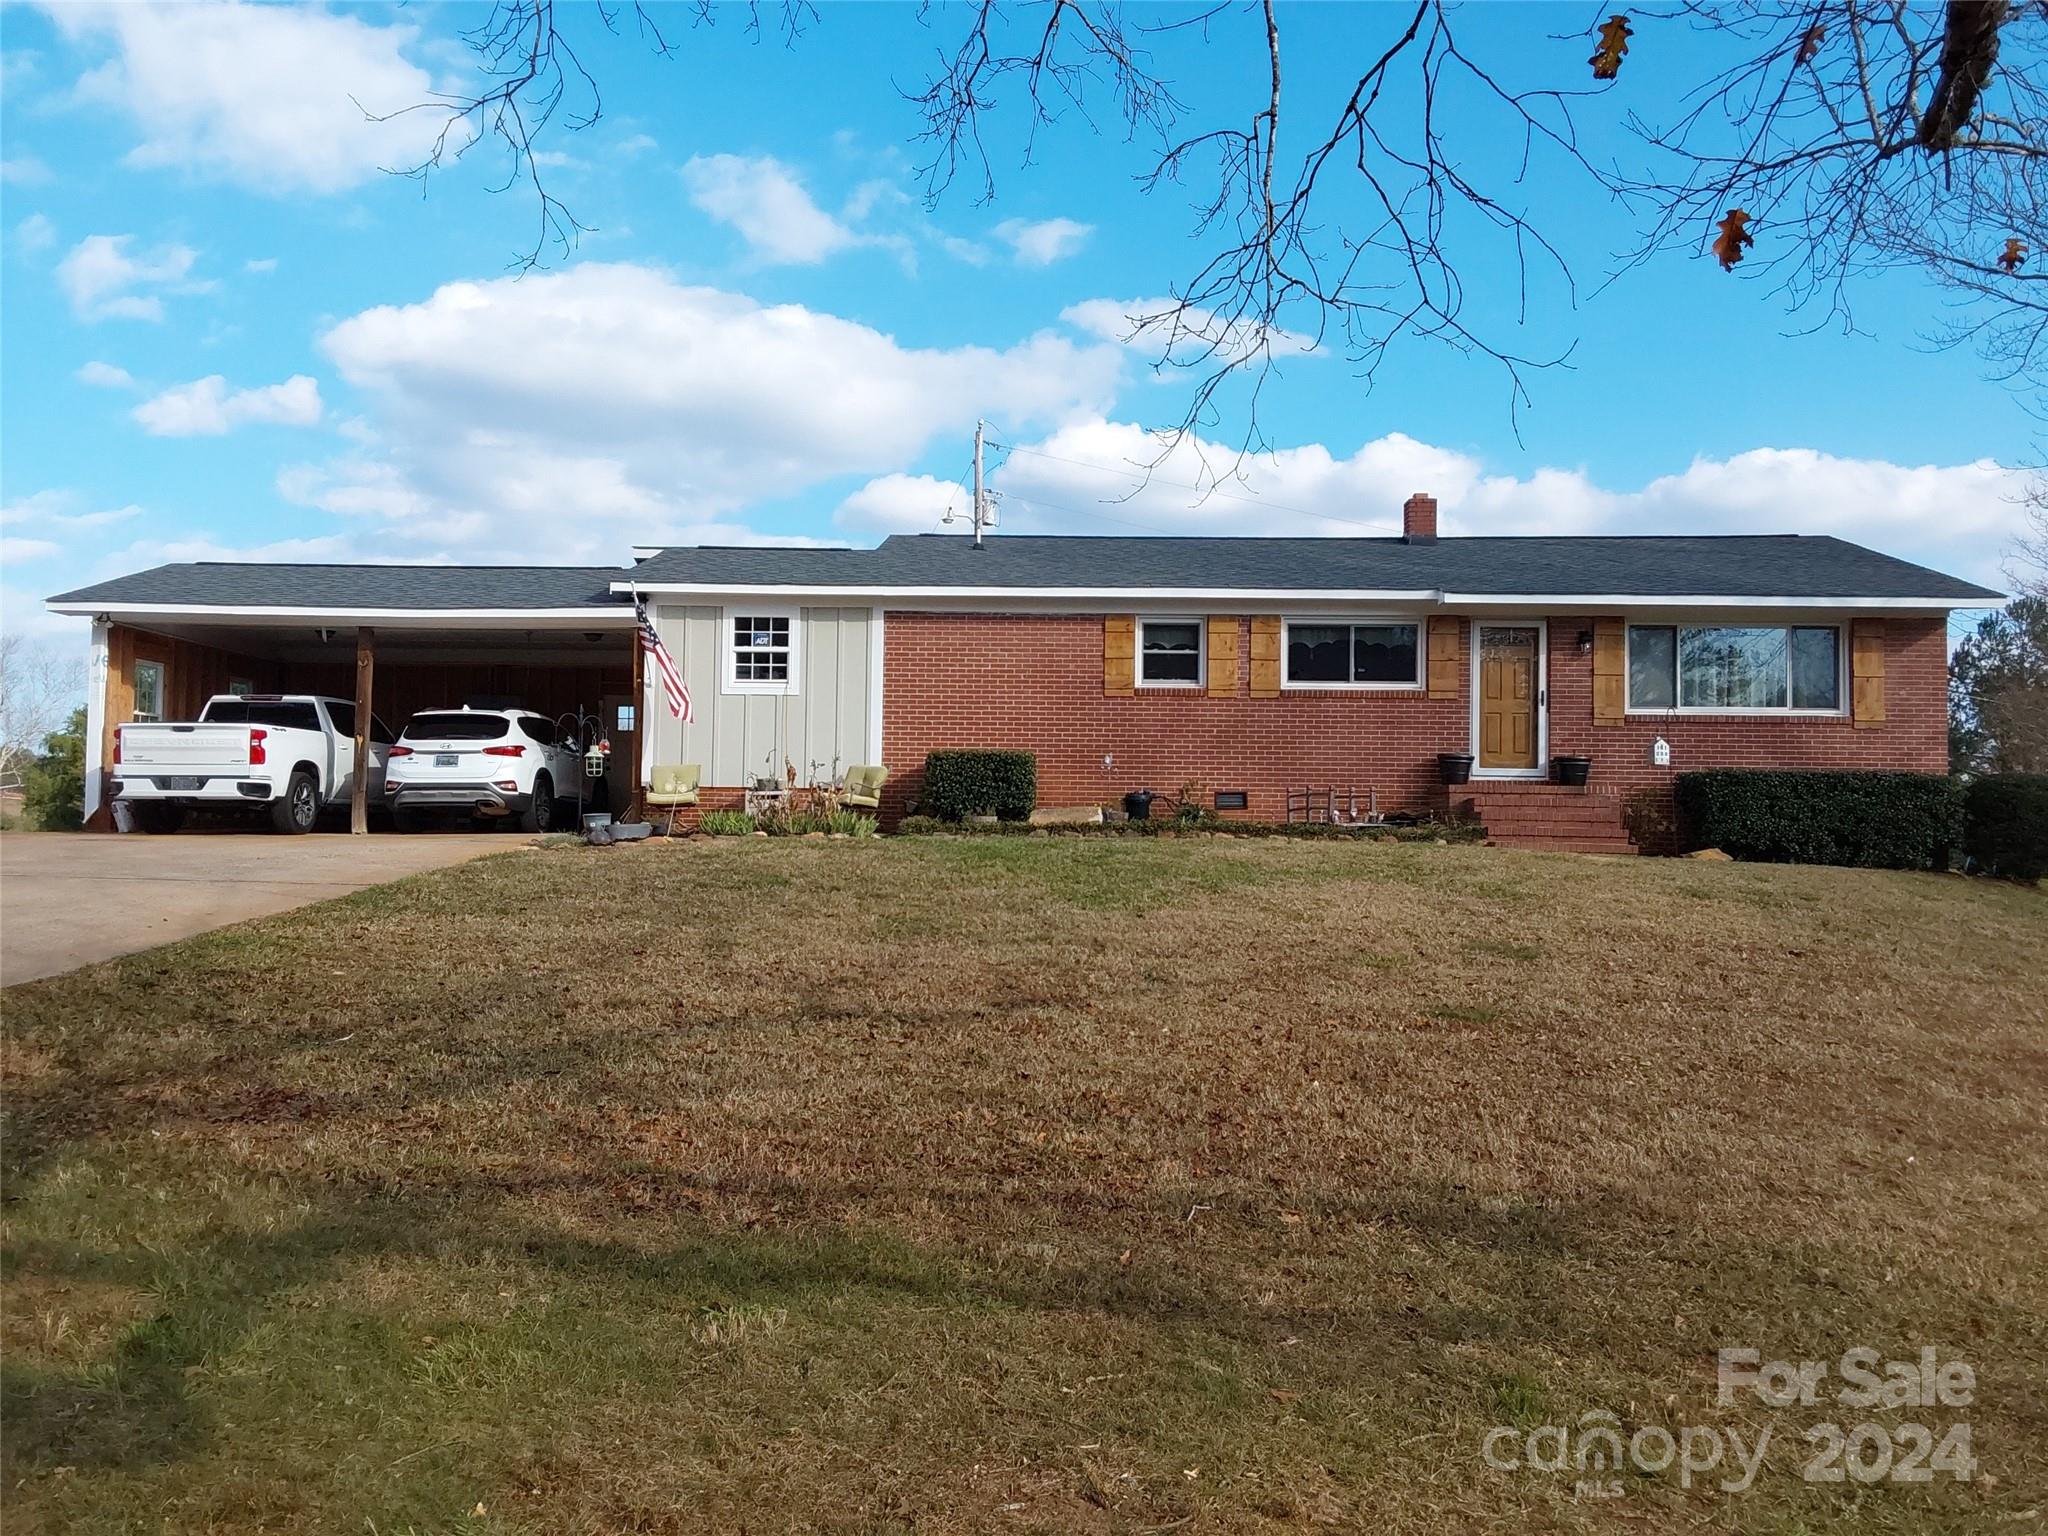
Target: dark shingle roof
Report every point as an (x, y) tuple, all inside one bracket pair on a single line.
[(1786, 565), (1742, 565), (224, 584)]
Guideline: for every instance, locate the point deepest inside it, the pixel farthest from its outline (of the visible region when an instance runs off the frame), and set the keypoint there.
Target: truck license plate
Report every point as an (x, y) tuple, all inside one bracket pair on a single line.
[(445, 759), (181, 782)]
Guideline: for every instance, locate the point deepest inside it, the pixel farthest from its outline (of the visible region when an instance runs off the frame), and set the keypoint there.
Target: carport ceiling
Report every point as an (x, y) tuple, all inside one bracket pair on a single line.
[(297, 644)]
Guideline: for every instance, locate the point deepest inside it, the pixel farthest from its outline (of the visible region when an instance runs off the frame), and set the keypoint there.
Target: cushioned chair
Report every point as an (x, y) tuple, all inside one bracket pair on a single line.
[(673, 787), (863, 787)]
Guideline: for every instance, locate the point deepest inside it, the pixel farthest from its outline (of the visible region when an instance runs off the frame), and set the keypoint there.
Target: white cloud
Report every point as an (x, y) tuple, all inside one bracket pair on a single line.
[(104, 376), (635, 144), (34, 234), (55, 508), (260, 264), (25, 171), (260, 95), (1092, 477), (763, 200), (903, 504), (1186, 336), (1041, 242), (15, 550), (100, 277), (207, 407), (566, 415)]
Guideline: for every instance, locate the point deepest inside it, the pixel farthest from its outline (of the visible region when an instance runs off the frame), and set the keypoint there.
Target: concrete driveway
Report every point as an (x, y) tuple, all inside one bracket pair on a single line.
[(68, 899)]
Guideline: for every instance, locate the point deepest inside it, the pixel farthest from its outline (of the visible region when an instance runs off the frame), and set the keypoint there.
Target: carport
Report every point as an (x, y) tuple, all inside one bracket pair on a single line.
[(396, 639)]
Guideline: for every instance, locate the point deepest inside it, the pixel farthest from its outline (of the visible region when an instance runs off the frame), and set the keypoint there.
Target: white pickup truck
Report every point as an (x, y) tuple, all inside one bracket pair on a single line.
[(289, 756)]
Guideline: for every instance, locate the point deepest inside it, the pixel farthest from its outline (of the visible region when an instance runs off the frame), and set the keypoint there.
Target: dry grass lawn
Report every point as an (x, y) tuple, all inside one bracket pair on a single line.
[(1021, 1185)]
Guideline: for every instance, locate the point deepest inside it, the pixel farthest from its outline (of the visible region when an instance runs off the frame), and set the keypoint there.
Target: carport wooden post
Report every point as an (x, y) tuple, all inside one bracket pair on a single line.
[(359, 784)]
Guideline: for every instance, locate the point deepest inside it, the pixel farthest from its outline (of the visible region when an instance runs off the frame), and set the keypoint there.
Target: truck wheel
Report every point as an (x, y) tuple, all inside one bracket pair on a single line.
[(539, 815), (159, 819), (298, 807)]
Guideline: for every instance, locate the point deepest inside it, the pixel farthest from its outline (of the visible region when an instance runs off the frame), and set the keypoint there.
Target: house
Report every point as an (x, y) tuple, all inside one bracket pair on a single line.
[(1247, 666)]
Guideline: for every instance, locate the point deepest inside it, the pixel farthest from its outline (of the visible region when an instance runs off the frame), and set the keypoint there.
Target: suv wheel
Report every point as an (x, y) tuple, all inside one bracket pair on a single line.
[(297, 808), (540, 808)]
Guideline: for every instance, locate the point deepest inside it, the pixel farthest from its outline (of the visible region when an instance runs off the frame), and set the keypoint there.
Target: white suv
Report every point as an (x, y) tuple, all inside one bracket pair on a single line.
[(493, 763)]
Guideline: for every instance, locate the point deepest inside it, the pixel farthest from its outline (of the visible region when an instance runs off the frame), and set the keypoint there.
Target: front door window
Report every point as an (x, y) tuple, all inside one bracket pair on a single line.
[(1508, 695)]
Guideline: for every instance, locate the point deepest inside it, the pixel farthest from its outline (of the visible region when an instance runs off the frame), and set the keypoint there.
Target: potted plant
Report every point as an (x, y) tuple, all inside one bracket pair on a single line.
[(1571, 770), (1454, 767)]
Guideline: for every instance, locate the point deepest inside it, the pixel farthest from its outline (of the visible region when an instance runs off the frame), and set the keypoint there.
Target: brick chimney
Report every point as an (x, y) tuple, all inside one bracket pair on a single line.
[(1418, 519)]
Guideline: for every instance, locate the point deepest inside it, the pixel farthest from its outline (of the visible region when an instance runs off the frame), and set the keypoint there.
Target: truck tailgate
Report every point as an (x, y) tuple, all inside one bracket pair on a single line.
[(183, 746)]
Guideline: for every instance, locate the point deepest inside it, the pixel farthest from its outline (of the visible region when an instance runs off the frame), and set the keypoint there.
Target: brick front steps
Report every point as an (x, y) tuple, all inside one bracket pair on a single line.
[(1525, 814)]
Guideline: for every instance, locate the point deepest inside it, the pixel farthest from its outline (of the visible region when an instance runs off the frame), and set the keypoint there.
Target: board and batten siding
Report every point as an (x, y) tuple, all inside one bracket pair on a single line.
[(825, 727)]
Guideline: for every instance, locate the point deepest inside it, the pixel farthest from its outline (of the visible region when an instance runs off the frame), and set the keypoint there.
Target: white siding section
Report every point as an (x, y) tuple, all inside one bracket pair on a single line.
[(824, 728)]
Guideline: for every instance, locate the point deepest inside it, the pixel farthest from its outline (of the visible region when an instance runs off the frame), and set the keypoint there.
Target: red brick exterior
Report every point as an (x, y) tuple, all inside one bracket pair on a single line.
[(1027, 680)]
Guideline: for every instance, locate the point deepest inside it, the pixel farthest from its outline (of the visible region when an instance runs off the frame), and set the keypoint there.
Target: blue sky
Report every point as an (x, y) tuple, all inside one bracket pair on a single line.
[(229, 332)]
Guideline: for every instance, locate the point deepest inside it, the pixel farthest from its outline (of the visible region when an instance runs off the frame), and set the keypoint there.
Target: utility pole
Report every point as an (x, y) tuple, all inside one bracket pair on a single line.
[(979, 511)]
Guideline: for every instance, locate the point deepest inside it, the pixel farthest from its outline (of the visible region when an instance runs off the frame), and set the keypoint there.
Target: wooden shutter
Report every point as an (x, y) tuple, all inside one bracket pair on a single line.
[(1222, 658), (1266, 656), (1610, 671), (1119, 655), (1866, 672), (1443, 656)]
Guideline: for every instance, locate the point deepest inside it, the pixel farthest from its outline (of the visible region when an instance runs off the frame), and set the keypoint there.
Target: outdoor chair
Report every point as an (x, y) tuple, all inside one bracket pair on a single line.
[(863, 787), (673, 787)]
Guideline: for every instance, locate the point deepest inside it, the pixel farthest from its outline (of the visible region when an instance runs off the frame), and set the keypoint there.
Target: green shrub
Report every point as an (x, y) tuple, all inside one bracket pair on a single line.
[(53, 786), (2005, 824), (726, 823), (978, 781), (1814, 816)]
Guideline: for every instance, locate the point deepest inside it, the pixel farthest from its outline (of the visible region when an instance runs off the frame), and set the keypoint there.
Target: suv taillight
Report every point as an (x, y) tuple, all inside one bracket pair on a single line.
[(512, 751), (258, 754), (400, 752), (117, 746)]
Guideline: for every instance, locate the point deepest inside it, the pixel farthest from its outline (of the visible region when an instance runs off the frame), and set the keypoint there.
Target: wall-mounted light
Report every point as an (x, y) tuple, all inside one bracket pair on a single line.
[(1585, 642)]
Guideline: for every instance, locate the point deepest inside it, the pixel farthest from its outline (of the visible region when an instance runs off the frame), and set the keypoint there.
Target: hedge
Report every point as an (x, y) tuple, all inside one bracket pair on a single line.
[(979, 781), (1789, 816), (2005, 824)]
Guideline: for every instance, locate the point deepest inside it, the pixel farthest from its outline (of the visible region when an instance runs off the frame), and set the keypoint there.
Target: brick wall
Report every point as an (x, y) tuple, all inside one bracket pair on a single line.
[(1029, 680), (1914, 735), (1026, 680)]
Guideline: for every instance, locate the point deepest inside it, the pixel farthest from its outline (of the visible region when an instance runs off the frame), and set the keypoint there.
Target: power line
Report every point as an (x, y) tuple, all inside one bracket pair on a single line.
[(1256, 501)]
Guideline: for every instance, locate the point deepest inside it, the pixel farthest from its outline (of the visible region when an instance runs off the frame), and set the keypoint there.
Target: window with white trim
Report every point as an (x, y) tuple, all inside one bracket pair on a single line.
[(761, 650), (1325, 654), (1735, 668), (1170, 653), (149, 690)]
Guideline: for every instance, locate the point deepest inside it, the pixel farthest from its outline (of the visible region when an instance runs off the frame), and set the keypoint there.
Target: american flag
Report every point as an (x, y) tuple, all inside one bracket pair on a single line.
[(672, 683)]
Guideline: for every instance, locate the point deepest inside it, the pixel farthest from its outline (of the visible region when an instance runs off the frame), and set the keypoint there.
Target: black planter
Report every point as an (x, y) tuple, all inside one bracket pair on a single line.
[(1454, 767), (1571, 770), (1138, 805)]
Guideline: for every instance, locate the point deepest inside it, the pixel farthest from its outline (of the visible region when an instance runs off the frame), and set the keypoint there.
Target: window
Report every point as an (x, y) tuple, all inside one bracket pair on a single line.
[(1735, 667), (761, 651), (1232, 799), (542, 731), (1170, 652), (149, 690), (285, 714), (240, 687), (628, 715), (455, 725), (343, 718), (1353, 655)]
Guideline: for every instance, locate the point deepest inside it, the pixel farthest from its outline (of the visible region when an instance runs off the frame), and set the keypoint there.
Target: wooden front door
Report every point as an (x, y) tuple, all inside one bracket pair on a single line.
[(1508, 695)]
